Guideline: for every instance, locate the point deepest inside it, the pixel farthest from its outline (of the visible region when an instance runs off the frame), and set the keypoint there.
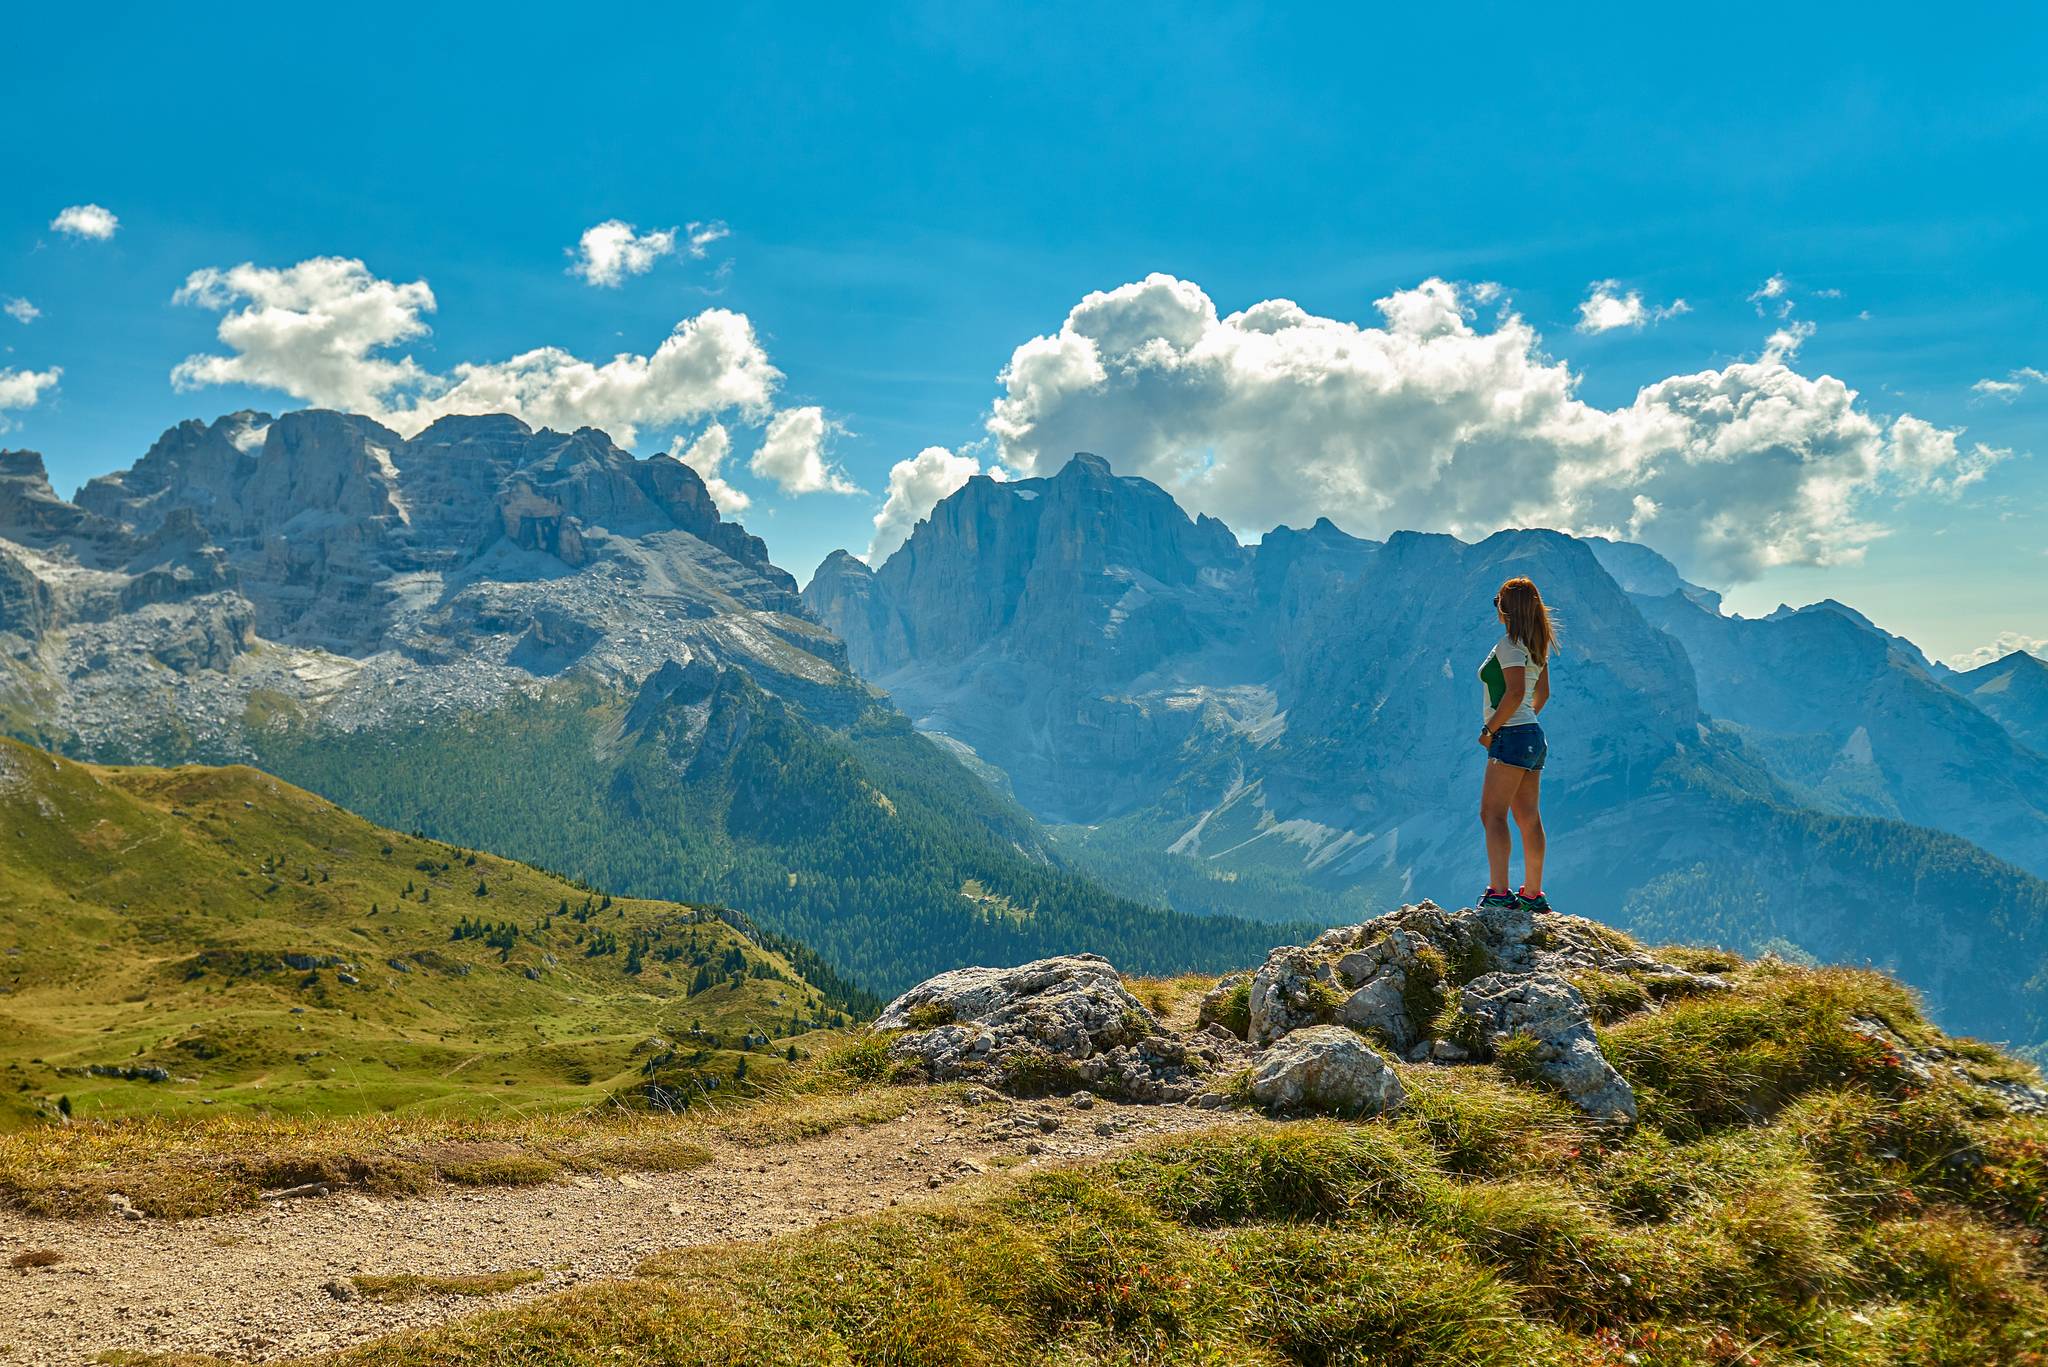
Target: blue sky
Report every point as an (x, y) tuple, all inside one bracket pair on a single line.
[(910, 194)]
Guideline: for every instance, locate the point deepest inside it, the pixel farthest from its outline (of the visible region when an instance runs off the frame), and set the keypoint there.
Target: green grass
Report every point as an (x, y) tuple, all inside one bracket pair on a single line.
[(1778, 1205), (393, 1288), (150, 919), (178, 1166)]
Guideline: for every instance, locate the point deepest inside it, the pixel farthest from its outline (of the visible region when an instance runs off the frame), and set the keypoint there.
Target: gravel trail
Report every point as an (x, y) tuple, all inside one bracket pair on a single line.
[(274, 1282)]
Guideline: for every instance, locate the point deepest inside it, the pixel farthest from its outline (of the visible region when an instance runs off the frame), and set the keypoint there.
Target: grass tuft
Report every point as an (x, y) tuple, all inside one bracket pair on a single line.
[(398, 1287)]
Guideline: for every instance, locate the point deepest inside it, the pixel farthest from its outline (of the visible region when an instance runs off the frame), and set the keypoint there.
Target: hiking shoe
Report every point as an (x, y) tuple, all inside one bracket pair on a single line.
[(1538, 903), (1499, 898)]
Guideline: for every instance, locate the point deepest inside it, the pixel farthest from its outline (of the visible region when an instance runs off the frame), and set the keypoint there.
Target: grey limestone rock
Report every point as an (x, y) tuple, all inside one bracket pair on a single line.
[(1542, 1007), (1220, 1007), (1316, 1011), (1325, 1068), (1392, 977), (1049, 1025)]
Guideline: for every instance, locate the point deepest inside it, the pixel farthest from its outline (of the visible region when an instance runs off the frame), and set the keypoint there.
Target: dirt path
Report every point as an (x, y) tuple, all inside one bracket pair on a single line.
[(255, 1284)]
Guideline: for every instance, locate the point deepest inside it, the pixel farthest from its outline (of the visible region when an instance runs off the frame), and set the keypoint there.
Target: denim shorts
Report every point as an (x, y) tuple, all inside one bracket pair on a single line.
[(1522, 746)]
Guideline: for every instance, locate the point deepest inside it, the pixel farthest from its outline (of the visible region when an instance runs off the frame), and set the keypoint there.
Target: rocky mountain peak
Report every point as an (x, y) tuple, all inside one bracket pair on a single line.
[(1086, 466), (458, 564), (844, 563), (26, 466), (31, 514), (461, 427), (843, 596), (2014, 690)]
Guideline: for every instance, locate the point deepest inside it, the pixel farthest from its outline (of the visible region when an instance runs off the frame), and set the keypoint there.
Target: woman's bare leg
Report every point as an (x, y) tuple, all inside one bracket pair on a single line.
[(1495, 800), (1529, 820)]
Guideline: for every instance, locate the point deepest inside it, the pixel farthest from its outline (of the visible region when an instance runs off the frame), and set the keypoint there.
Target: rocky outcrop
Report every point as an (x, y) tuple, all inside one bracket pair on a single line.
[(1325, 1068), (1545, 1019), (1051, 1025), (1391, 977), (1313, 1027), (1931, 1063), (24, 599)]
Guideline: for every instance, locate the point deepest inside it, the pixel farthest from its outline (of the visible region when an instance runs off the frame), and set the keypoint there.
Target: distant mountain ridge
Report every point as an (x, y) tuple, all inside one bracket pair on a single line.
[(320, 552), (2013, 689), (1854, 720), (1198, 712)]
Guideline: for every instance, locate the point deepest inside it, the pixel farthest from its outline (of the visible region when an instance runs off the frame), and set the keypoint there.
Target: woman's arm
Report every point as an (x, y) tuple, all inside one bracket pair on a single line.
[(1542, 691), (1515, 679)]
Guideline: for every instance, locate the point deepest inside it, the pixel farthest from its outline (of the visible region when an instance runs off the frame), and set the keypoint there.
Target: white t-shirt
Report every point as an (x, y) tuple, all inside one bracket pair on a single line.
[(1505, 655)]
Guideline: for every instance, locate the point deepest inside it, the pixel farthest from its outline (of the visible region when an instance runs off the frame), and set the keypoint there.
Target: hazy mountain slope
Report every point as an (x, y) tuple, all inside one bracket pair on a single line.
[(2015, 691), (622, 678), (1854, 722), (265, 948)]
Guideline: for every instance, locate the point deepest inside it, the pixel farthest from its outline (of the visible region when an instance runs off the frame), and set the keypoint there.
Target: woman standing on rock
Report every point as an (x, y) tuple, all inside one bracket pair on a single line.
[(1517, 686)]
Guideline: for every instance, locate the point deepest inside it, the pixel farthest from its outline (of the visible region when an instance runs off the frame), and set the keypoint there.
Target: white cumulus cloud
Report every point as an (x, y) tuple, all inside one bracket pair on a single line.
[(86, 220), (2012, 386), (705, 455), (712, 363), (319, 330), (1606, 308), (609, 252), (792, 453), (310, 330), (2006, 643), (21, 311), (915, 488), (1775, 294), (698, 236), (1274, 414), (23, 389)]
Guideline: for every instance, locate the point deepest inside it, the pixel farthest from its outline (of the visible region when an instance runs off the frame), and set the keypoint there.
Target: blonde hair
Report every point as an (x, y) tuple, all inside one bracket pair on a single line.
[(1528, 619)]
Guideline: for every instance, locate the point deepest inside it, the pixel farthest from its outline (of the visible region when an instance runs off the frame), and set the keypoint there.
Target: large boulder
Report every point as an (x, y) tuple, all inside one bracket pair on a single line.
[(1325, 1068), (1051, 1025), (1547, 1011), (1295, 988), (1075, 1004)]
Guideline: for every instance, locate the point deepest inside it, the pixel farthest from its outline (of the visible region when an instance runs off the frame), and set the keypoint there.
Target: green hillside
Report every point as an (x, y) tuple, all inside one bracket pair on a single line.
[(179, 940), (860, 839)]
